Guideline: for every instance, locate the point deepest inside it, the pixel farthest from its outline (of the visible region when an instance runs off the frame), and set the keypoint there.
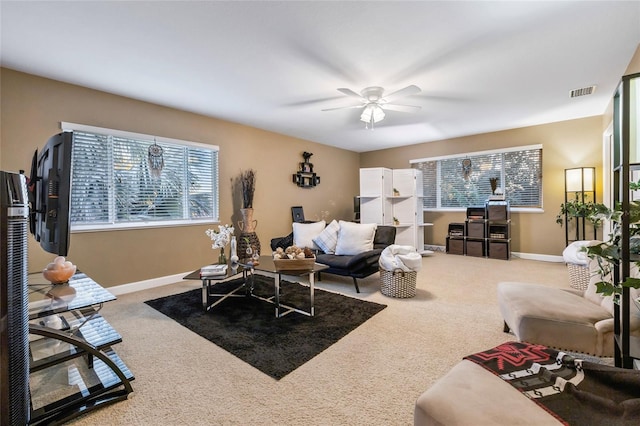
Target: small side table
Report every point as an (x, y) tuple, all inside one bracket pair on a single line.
[(211, 299)]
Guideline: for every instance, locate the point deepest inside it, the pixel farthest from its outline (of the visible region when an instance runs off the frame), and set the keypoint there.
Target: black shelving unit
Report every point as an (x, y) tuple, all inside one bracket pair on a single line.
[(455, 238), (475, 241), (486, 232), (498, 230)]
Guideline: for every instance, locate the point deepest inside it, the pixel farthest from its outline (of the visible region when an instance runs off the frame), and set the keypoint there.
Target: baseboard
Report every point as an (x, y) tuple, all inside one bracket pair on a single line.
[(146, 284), (540, 257), (170, 279), (528, 256)]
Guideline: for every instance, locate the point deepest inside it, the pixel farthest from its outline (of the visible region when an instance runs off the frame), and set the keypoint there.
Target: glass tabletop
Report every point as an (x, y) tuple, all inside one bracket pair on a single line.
[(231, 271), (80, 292), (266, 264)]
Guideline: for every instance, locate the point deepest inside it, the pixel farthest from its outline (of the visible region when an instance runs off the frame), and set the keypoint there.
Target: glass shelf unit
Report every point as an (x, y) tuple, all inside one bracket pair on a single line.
[(73, 367)]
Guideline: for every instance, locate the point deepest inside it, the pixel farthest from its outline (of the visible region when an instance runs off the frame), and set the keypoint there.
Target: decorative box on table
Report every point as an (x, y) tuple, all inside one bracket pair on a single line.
[(305, 264)]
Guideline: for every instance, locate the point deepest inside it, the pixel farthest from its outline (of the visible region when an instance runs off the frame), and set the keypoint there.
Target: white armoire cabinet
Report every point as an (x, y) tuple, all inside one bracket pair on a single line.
[(394, 197), (376, 188)]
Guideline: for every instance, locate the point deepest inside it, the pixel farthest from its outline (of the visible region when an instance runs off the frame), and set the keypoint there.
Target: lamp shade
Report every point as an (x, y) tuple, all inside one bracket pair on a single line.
[(580, 179), (372, 113)]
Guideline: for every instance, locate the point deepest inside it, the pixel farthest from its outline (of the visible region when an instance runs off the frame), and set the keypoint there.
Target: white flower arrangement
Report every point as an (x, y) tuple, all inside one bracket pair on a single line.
[(221, 237)]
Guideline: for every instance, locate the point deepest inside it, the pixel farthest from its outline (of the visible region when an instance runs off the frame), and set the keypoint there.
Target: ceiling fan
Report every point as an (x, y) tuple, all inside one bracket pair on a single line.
[(374, 102)]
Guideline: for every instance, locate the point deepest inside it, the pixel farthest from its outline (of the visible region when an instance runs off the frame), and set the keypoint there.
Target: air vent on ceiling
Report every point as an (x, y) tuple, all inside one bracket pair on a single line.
[(583, 91)]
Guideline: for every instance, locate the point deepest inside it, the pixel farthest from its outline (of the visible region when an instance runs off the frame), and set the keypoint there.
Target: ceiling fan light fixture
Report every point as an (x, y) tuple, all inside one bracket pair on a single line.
[(372, 101), (371, 114)]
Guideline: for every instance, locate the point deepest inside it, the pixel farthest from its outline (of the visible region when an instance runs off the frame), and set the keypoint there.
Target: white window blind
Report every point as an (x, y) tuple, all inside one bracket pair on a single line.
[(464, 180), (114, 184)]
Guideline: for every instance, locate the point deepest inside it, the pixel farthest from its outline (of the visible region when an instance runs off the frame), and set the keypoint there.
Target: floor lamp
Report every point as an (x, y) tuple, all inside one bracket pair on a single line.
[(580, 186)]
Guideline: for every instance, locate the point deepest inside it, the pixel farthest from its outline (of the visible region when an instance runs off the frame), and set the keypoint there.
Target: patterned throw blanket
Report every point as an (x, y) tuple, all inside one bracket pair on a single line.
[(575, 392)]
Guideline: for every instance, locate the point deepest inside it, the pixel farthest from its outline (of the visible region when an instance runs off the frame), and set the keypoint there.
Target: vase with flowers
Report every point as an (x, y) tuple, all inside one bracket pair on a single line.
[(220, 239)]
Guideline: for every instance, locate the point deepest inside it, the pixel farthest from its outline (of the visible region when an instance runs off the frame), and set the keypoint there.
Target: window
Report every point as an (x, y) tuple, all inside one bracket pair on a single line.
[(465, 180), (116, 184)]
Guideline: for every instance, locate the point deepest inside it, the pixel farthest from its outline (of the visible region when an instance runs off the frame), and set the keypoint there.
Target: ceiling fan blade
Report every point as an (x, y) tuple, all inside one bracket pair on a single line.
[(350, 92), (401, 108), (344, 107), (407, 91)]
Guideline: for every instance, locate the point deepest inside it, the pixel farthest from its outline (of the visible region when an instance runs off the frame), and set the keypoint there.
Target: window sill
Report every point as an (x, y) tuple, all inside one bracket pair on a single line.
[(77, 229), (464, 210)]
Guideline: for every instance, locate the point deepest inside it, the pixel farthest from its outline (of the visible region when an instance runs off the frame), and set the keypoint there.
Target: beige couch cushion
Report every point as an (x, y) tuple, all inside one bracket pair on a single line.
[(470, 395)]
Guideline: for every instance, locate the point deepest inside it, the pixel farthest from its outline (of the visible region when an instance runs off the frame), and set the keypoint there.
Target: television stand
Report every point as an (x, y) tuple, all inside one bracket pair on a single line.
[(73, 368)]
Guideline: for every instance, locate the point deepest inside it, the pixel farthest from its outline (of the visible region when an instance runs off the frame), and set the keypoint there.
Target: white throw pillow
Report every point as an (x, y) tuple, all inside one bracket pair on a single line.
[(304, 233), (328, 238), (354, 238)]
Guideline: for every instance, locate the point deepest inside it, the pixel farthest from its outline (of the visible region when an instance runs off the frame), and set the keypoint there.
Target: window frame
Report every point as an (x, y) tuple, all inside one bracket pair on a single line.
[(148, 224), (537, 209)]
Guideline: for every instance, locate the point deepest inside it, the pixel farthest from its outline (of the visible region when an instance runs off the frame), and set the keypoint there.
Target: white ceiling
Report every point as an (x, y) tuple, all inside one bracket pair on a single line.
[(482, 66)]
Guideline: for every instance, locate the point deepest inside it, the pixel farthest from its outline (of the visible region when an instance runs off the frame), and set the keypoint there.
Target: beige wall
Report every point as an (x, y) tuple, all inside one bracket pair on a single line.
[(634, 64), (565, 144), (632, 68), (32, 108)]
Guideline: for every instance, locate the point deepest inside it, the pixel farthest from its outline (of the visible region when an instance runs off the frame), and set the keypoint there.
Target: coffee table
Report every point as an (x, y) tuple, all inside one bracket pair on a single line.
[(248, 268), (267, 267)]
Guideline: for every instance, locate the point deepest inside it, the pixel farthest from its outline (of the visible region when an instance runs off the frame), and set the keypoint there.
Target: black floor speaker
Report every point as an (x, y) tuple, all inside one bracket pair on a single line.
[(14, 314)]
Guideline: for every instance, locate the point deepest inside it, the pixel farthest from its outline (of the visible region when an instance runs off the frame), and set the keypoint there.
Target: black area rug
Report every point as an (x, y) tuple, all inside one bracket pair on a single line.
[(247, 327)]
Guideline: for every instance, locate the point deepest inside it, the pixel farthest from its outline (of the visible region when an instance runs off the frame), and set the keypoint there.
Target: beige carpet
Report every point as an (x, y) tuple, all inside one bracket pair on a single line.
[(370, 377)]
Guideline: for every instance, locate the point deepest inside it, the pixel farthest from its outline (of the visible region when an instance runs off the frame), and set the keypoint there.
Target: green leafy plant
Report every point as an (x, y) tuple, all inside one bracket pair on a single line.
[(608, 254), (593, 212)]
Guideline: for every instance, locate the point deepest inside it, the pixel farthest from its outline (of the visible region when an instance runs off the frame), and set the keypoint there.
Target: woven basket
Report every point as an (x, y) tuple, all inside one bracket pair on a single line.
[(578, 276), (398, 283)]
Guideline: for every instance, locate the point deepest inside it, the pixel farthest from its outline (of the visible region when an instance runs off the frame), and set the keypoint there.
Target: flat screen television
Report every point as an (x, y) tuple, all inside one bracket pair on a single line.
[(50, 194)]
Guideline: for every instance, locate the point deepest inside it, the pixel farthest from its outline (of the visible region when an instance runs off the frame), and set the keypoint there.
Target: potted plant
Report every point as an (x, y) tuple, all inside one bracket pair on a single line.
[(591, 211), (609, 253)]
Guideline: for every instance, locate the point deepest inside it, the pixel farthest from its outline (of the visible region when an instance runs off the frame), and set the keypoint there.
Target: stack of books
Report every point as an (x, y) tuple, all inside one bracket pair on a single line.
[(213, 271)]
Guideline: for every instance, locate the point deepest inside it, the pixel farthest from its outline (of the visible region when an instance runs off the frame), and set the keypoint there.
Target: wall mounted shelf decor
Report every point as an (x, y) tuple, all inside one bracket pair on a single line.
[(305, 177)]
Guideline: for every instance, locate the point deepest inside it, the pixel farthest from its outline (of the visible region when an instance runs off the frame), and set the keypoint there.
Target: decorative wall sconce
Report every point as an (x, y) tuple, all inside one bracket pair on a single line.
[(305, 177)]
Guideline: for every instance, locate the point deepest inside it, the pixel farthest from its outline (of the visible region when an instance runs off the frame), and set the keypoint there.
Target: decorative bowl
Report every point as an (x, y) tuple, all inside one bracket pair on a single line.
[(59, 276)]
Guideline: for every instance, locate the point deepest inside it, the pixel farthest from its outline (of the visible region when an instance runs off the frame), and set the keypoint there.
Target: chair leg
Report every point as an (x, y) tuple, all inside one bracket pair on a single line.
[(506, 328), (355, 282)]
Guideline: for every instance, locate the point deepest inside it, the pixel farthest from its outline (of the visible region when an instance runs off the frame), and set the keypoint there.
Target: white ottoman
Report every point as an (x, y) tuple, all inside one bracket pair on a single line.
[(470, 395)]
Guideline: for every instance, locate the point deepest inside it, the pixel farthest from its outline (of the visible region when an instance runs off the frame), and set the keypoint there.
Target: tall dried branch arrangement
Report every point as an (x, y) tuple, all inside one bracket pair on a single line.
[(248, 180)]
